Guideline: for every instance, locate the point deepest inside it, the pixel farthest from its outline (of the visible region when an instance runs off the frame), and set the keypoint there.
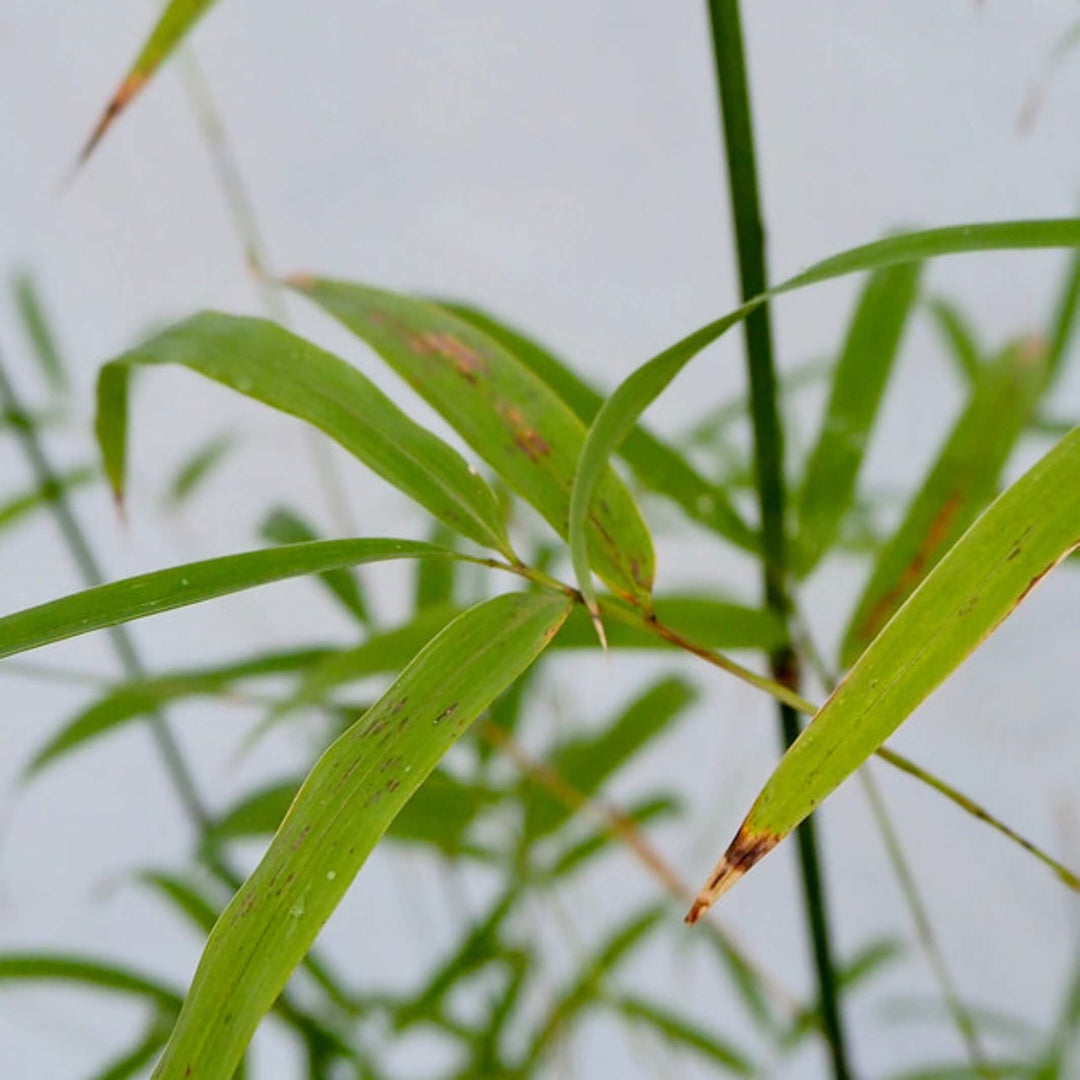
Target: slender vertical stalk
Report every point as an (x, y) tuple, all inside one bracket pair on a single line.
[(734, 92)]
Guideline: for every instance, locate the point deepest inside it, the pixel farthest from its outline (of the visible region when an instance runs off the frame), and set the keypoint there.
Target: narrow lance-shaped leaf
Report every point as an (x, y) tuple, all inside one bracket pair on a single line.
[(82, 971), (659, 467), (959, 338), (39, 331), (963, 479), (265, 362), (285, 526), (621, 411), (173, 26), (18, 507), (858, 386), (197, 468), (1023, 535), (179, 586), (348, 801), (508, 415)]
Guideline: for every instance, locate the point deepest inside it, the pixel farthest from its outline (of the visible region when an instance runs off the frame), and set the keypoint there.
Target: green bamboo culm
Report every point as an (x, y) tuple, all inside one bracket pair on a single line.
[(734, 97)]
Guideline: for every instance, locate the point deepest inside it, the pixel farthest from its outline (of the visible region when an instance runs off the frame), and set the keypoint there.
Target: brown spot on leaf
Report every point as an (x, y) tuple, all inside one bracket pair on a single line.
[(468, 363), (123, 97), (745, 851), (447, 712)]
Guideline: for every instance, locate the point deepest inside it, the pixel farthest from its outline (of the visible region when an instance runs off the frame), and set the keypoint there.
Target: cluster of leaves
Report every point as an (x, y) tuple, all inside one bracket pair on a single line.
[(960, 560)]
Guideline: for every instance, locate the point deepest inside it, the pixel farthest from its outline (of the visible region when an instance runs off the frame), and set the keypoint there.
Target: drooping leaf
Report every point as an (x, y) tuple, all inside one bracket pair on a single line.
[(179, 586), (93, 974), (265, 362), (39, 333), (586, 762), (285, 526), (621, 411), (658, 466), (346, 804), (508, 415), (717, 1049), (962, 480), (858, 387), (175, 23), (18, 507), (1023, 535), (135, 699), (197, 468)]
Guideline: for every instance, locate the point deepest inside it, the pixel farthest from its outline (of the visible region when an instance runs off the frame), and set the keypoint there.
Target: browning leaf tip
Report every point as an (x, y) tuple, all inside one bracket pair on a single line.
[(743, 854)]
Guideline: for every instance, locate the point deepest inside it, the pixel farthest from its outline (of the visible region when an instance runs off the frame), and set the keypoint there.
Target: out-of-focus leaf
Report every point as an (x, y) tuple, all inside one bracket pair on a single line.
[(197, 468), (17, 507), (343, 808), (133, 1061), (1063, 327), (586, 762), (859, 383), (285, 526), (93, 974), (183, 896), (959, 337), (962, 480), (748, 984), (434, 582), (658, 466), (507, 414), (175, 23), (258, 814), (994, 1070), (440, 813), (1023, 535), (39, 332), (265, 362), (719, 1050), (587, 989), (621, 411), (135, 699), (180, 586)]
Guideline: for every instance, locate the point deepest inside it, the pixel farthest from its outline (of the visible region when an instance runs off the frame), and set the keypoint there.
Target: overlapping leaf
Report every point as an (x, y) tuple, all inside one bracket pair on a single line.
[(346, 804), (265, 362)]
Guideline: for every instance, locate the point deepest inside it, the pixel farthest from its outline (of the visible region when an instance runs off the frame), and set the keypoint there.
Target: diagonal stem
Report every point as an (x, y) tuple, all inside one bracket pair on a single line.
[(734, 95)]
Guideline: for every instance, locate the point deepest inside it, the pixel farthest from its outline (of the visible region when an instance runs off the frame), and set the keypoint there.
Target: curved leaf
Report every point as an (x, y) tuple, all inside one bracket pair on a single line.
[(621, 411), (265, 362), (347, 802), (93, 974), (179, 586), (509, 416), (196, 469), (1024, 534), (173, 26)]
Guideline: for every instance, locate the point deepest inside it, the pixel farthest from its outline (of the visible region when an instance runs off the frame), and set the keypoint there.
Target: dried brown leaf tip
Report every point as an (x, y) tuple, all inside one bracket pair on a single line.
[(129, 90), (744, 853)]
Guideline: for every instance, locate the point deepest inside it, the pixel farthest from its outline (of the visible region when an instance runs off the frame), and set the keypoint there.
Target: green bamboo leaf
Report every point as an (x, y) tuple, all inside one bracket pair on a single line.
[(621, 411), (658, 466), (197, 468), (134, 699), (346, 804), (508, 415), (39, 333), (719, 1050), (265, 362), (959, 338), (962, 480), (182, 895), (92, 974), (173, 26), (435, 582), (285, 526), (1021, 537), (257, 814), (586, 762), (17, 507), (192, 583), (133, 1061), (1063, 325), (858, 387)]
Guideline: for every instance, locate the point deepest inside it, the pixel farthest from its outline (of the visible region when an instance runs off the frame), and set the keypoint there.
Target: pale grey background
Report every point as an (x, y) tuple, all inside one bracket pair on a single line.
[(560, 163)]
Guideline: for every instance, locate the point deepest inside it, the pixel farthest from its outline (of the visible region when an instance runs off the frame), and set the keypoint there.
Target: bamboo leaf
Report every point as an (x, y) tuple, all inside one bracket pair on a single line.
[(93, 974), (1023, 535), (959, 338), (508, 415), (197, 469), (963, 479), (192, 583), (858, 386), (265, 362), (346, 804), (285, 526), (173, 26), (658, 466), (17, 507), (38, 329), (138, 1057), (435, 582), (621, 411)]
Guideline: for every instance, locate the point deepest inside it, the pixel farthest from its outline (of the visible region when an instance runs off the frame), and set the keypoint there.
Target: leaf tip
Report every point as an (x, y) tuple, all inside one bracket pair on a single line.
[(123, 97), (744, 853)]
